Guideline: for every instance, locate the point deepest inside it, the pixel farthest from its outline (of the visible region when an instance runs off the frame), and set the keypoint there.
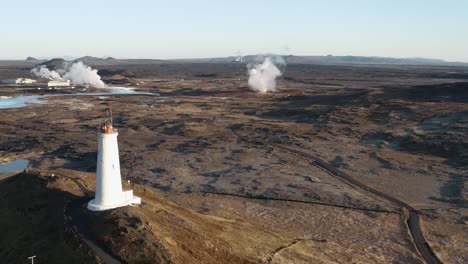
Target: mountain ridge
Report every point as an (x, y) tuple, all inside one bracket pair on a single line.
[(289, 59)]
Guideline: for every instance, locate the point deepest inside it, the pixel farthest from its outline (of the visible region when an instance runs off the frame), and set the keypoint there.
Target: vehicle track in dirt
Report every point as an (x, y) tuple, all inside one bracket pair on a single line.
[(412, 218), (71, 210)]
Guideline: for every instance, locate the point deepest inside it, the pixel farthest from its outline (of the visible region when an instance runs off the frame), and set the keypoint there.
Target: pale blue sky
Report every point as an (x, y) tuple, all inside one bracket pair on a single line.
[(202, 28)]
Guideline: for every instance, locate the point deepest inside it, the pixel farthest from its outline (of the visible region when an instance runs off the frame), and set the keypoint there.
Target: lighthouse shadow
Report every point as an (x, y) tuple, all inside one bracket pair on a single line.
[(33, 215)]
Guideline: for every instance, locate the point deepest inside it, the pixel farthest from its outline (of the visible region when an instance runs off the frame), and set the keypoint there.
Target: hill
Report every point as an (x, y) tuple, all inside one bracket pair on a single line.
[(329, 59)]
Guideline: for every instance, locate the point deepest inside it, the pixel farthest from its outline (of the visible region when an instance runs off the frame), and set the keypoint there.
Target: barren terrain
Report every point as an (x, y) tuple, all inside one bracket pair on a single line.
[(227, 175)]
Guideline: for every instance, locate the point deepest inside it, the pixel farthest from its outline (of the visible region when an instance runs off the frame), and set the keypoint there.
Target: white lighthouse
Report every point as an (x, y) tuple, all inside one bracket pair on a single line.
[(109, 193)]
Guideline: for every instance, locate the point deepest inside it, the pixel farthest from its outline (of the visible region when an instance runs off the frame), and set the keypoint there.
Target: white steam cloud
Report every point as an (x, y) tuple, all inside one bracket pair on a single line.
[(77, 73), (262, 76), (43, 72)]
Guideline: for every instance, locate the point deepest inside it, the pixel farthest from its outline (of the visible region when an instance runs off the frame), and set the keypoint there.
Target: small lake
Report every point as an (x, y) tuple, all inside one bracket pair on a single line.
[(19, 101), (22, 101), (17, 165)]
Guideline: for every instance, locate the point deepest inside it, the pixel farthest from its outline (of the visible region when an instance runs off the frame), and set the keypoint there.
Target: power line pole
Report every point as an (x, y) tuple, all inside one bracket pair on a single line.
[(32, 259)]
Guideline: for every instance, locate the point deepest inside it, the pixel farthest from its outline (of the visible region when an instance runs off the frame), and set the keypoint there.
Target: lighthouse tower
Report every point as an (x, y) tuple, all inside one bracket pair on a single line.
[(109, 193)]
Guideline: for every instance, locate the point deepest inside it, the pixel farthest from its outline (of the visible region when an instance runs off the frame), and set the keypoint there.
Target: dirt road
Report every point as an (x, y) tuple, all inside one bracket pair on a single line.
[(412, 219), (71, 211)]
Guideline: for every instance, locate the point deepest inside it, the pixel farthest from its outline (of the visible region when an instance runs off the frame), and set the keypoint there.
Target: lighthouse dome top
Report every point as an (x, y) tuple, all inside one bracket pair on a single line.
[(107, 129), (108, 126)]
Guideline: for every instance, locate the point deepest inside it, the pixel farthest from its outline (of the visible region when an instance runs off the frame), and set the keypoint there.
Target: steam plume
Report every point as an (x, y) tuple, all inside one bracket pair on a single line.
[(239, 56), (262, 76), (43, 72), (77, 73)]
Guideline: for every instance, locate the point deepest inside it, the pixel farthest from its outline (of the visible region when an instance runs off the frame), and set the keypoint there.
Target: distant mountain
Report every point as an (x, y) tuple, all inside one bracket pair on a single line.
[(368, 60), (54, 64), (31, 59), (289, 59), (91, 60), (96, 61), (329, 59)]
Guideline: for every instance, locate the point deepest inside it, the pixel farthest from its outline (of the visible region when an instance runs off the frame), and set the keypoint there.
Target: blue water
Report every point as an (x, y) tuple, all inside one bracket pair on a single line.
[(15, 102), (17, 165), (22, 101)]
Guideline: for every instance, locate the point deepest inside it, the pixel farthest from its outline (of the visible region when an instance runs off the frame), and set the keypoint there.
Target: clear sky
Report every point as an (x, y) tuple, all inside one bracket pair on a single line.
[(204, 28)]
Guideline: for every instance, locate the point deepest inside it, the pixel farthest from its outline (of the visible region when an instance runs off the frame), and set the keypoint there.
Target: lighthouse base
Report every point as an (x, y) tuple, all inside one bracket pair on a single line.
[(127, 198)]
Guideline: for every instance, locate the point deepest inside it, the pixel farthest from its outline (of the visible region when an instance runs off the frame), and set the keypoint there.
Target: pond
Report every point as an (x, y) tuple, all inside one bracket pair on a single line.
[(17, 165), (19, 101), (22, 101)]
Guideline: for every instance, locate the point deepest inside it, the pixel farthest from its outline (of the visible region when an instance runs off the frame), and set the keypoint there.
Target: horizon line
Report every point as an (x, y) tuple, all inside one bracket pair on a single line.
[(71, 58)]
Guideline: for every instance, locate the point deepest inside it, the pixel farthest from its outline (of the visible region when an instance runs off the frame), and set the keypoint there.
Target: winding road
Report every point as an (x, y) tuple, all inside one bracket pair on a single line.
[(71, 210), (412, 218)]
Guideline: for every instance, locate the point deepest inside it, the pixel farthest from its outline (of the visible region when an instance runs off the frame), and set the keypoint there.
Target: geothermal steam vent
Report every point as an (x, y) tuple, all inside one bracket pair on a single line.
[(109, 192)]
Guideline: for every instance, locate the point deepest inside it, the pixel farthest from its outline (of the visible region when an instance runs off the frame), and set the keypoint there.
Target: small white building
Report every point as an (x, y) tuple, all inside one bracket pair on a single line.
[(109, 192), (58, 83), (19, 81)]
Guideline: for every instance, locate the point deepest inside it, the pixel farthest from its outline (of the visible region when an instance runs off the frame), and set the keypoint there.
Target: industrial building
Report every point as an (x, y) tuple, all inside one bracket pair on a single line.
[(19, 81), (109, 193), (58, 83)]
